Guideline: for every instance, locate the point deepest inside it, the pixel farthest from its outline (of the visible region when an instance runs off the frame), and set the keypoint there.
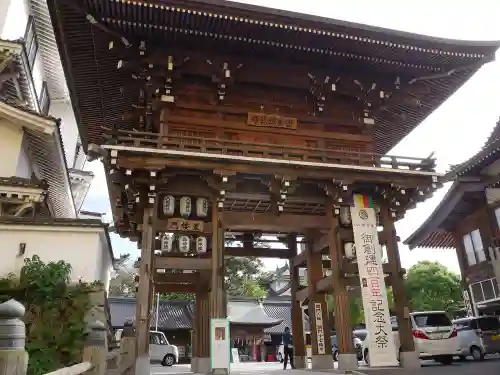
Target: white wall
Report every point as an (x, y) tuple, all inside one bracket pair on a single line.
[(81, 247), (11, 138), (63, 110), (24, 165)]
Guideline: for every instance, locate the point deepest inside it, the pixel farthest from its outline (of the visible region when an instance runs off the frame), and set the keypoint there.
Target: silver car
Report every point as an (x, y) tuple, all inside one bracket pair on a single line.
[(478, 336)]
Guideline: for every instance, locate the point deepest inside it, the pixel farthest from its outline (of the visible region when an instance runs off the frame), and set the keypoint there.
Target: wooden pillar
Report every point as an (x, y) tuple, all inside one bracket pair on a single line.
[(318, 311), (297, 327), (217, 300), (144, 293), (195, 335), (347, 355), (203, 362), (408, 356)]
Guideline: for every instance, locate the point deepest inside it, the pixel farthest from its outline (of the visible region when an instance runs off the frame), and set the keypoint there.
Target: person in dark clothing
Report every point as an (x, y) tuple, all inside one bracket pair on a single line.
[(287, 348)]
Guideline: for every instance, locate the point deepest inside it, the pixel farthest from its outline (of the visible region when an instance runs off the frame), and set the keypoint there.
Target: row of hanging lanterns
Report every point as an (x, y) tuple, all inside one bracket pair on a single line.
[(184, 243), (185, 206)]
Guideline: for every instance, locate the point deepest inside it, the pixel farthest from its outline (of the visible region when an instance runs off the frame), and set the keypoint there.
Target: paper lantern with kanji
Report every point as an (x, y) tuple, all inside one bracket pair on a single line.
[(350, 250), (201, 245), (345, 215), (202, 207), (166, 242), (184, 243), (168, 205), (185, 207)]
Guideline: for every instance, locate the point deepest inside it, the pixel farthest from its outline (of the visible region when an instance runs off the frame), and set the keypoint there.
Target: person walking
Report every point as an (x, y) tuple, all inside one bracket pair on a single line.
[(287, 348)]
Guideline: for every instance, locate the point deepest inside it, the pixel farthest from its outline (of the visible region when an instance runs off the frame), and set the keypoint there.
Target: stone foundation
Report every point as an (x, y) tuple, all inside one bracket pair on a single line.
[(409, 360), (300, 362), (142, 365), (203, 365), (348, 361), (322, 362)]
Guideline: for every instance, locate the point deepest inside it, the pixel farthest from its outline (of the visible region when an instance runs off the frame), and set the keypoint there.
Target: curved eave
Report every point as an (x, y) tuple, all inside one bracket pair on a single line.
[(277, 18), (431, 234), (88, 62)]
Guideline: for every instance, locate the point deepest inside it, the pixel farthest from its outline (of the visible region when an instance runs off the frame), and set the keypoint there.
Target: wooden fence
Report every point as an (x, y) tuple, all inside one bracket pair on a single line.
[(97, 359)]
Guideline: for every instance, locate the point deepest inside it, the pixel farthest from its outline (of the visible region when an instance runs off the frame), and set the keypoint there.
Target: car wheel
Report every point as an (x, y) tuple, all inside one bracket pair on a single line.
[(168, 360), (445, 360), (476, 353), (336, 355), (366, 356)]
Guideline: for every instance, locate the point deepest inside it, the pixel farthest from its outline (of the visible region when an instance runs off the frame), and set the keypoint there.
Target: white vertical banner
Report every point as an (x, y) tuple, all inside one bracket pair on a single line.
[(320, 333), (373, 290), (467, 303), (220, 348)]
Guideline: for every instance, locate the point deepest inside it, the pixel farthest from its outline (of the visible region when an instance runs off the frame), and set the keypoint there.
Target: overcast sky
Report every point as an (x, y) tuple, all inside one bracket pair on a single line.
[(454, 132)]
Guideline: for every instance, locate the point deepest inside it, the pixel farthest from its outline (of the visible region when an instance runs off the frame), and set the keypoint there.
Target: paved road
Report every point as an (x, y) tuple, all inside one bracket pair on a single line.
[(490, 366)]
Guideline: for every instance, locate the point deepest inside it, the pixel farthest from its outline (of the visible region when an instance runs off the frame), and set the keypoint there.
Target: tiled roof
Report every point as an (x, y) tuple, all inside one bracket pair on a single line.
[(282, 311), (23, 182), (172, 314), (251, 313), (179, 314)]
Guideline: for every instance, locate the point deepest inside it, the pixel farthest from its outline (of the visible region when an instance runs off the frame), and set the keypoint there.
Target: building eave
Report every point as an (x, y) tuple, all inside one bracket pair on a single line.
[(430, 234)]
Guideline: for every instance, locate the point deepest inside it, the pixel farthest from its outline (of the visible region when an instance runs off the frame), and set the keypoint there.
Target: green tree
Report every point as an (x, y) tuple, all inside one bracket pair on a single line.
[(431, 286)]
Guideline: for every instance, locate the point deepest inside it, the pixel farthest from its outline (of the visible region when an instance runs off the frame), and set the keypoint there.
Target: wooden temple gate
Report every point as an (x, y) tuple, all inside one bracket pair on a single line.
[(217, 119)]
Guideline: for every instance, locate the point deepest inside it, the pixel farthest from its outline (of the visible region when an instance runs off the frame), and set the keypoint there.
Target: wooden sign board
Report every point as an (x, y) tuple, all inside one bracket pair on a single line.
[(271, 121), (182, 225)]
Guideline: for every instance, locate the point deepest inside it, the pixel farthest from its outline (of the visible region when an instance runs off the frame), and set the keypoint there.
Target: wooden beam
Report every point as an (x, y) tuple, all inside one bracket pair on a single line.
[(156, 162), (302, 294), (290, 75), (197, 264), (176, 288), (299, 259), (235, 251), (180, 278), (160, 225), (271, 222)]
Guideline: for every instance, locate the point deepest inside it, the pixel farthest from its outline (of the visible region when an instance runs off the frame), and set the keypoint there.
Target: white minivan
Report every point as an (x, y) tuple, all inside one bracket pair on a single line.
[(159, 348), (434, 335), (478, 336)]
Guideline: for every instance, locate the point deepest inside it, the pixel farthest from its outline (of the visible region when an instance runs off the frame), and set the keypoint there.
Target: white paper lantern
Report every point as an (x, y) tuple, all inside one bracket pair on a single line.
[(184, 243), (202, 207), (201, 245), (350, 250), (185, 207), (166, 242), (168, 205), (345, 215)]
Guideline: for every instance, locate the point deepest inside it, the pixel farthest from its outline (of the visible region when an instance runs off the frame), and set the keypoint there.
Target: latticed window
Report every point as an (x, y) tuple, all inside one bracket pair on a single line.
[(474, 247), (485, 290)]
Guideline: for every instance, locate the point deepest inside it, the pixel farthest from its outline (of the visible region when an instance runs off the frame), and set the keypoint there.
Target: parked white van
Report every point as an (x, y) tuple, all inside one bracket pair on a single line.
[(478, 336), (434, 335), (159, 348)]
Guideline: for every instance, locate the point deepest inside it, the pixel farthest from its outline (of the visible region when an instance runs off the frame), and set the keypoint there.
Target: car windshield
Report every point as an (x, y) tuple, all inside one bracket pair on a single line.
[(157, 338), (432, 320), (488, 323)]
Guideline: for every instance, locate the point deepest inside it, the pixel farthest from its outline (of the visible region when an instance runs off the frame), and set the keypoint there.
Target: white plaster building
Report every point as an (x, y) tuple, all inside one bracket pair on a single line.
[(26, 31), (42, 182)]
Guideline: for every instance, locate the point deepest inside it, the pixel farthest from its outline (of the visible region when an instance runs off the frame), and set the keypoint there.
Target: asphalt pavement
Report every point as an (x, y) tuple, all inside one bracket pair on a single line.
[(490, 366)]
